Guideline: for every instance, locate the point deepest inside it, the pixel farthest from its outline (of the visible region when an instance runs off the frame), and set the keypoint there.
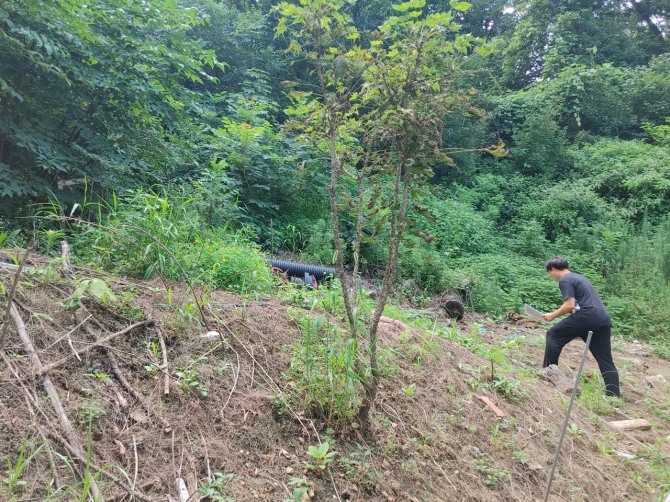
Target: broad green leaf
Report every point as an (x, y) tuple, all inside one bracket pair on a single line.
[(460, 6), (411, 5)]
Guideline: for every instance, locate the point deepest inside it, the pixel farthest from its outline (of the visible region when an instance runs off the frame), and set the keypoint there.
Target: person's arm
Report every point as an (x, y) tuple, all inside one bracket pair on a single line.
[(568, 305)]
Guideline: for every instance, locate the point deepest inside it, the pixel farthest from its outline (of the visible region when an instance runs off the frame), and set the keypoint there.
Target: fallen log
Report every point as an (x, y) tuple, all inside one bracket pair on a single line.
[(452, 305), (637, 424), (10, 297)]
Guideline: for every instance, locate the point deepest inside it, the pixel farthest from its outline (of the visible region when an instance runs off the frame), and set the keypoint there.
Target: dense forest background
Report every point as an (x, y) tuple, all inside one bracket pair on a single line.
[(169, 118)]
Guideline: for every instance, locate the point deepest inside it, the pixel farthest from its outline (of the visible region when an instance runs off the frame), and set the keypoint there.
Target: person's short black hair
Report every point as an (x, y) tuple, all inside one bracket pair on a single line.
[(557, 262)]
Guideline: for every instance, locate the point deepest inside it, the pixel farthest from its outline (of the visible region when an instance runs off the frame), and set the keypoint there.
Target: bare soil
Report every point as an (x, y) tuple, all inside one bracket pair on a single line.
[(439, 442)]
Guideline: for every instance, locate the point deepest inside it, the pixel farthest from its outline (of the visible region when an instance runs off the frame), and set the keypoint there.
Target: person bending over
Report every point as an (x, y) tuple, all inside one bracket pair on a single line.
[(588, 314)]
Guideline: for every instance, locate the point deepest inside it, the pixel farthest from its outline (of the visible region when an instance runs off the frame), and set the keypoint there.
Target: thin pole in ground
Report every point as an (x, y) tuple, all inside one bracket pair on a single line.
[(567, 416)]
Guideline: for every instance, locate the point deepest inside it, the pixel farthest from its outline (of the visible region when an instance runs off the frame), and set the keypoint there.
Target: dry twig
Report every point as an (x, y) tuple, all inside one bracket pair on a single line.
[(101, 342), (12, 291), (50, 388), (116, 370)]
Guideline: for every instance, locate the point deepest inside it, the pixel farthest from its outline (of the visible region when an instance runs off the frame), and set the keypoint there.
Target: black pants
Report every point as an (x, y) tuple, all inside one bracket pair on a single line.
[(576, 326)]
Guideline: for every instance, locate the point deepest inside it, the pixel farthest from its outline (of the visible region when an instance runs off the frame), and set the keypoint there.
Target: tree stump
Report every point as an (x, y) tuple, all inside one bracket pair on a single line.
[(452, 305)]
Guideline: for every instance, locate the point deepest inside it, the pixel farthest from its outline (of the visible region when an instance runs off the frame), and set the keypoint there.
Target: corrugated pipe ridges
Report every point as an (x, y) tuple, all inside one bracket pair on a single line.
[(300, 269)]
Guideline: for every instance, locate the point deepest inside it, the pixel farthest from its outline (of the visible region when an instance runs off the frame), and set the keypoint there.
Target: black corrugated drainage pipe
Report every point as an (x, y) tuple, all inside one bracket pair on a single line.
[(299, 270)]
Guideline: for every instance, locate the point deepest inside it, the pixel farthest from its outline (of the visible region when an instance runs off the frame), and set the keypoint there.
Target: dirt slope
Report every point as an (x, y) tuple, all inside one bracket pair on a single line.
[(432, 439)]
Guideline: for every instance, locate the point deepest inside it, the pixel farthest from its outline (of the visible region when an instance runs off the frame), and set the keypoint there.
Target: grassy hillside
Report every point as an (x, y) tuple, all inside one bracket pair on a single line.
[(262, 411)]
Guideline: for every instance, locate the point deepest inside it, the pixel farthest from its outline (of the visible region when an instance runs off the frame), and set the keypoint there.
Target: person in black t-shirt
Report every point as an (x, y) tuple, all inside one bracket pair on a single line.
[(588, 314)]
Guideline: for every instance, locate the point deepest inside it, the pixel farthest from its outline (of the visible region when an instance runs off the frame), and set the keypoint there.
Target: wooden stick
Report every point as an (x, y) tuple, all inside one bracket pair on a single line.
[(137, 465), (166, 372), (50, 388), (98, 343), (65, 267), (131, 390), (10, 298), (490, 404)]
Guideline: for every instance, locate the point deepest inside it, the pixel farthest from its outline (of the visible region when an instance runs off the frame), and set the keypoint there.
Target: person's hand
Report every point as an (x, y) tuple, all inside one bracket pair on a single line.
[(548, 317)]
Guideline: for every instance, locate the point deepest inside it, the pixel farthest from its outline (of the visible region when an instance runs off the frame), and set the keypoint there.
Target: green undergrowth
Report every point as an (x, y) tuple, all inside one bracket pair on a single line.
[(322, 378), (148, 234)]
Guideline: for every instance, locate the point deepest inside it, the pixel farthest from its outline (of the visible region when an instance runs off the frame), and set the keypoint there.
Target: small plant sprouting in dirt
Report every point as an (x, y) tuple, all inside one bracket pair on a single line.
[(604, 448), (657, 463), (507, 387), (94, 288), (659, 408), (15, 356), (222, 367), (216, 489), (575, 430), (493, 475), (189, 314), (359, 469), (302, 491), (321, 456), (592, 396), (190, 380), (96, 373), (154, 368), (89, 413), (521, 456), (409, 390)]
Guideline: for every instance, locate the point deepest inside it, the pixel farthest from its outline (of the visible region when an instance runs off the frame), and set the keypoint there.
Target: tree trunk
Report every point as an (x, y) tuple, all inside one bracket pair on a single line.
[(642, 10), (401, 201)]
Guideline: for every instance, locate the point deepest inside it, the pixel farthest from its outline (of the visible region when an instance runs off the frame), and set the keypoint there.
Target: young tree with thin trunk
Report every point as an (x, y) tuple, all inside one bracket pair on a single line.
[(376, 113)]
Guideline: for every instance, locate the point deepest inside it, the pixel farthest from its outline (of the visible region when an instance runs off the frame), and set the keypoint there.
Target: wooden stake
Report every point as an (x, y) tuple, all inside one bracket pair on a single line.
[(490, 404), (166, 372), (65, 267)]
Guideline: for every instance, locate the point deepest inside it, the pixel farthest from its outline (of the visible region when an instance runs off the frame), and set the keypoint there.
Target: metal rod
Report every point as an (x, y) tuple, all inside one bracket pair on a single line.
[(567, 415)]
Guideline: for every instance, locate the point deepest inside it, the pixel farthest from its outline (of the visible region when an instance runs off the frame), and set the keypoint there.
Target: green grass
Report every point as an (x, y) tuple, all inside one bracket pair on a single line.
[(592, 396), (16, 468)]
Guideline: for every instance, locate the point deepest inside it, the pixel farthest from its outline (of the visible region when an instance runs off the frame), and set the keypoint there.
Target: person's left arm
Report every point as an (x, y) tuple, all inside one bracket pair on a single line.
[(568, 305)]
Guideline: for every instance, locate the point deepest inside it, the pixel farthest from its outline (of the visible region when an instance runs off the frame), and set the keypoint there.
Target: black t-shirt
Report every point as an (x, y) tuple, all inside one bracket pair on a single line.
[(587, 302)]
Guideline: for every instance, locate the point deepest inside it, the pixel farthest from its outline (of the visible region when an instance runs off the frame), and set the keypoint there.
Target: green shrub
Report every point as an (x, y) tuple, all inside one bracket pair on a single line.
[(452, 227), (228, 262), (631, 174), (426, 268), (496, 283), (322, 378), (136, 233), (530, 240), (145, 234), (319, 246), (563, 206)]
